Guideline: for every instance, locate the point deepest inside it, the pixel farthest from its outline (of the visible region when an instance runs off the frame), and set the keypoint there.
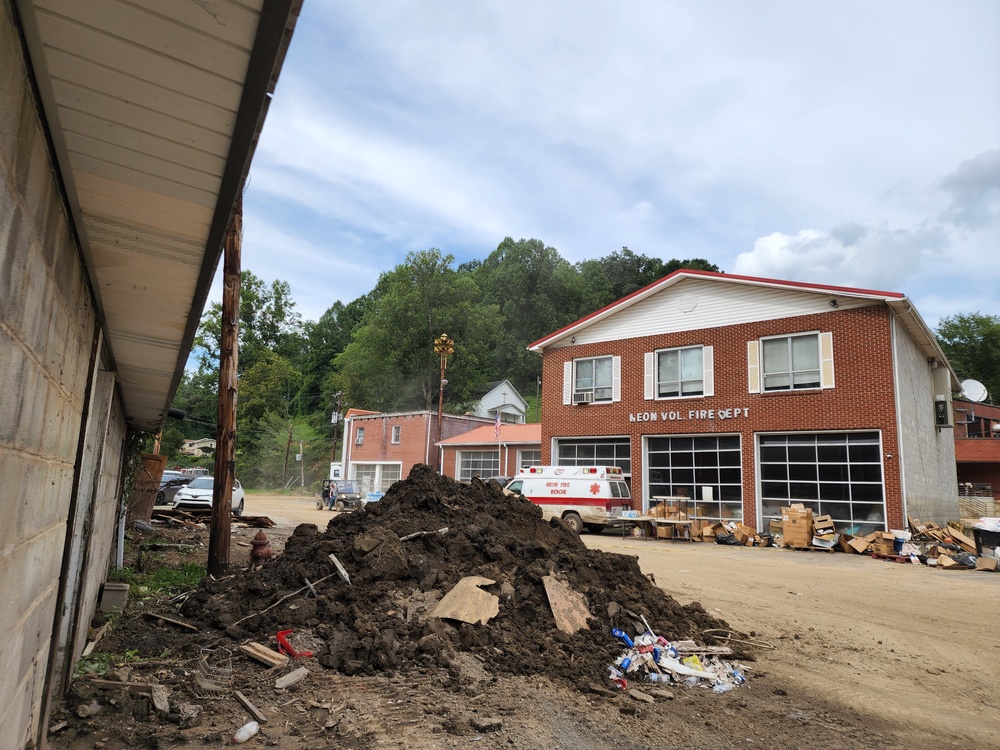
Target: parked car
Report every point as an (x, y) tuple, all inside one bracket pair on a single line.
[(170, 482), (197, 495)]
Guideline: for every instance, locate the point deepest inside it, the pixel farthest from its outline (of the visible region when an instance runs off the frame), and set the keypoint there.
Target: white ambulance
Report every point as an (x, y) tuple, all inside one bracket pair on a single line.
[(584, 497)]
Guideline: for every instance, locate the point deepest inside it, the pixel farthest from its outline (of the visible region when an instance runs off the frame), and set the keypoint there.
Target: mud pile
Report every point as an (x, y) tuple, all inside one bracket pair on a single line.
[(379, 622)]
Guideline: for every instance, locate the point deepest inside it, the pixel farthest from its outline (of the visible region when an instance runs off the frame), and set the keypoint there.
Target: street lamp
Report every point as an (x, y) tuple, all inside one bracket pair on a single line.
[(443, 346)]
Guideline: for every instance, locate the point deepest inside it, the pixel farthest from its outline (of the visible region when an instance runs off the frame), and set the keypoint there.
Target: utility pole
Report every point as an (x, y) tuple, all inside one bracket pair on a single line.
[(302, 466), (288, 447), (225, 441)]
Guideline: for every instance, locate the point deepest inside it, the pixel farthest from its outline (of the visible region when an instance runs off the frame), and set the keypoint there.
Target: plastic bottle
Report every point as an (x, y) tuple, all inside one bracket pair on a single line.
[(245, 732), (623, 635), (658, 677), (723, 687), (738, 677)]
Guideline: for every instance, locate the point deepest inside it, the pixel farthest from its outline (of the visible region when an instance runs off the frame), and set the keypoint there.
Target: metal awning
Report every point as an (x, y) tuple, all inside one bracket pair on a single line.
[(153, 110)]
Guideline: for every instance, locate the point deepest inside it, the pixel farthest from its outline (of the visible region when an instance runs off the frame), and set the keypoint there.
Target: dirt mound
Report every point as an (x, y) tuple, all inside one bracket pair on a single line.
[(380, 623)]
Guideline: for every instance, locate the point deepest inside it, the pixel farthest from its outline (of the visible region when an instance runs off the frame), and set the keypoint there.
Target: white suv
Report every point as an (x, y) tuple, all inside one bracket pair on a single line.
[(198, 495)]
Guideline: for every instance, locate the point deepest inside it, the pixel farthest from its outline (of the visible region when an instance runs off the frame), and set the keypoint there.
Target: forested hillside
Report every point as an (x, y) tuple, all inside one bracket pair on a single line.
[(376, 352)]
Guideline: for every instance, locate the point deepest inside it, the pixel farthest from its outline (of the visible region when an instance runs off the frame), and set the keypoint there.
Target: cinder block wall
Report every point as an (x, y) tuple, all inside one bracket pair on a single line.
[(47, 325), (930, 477)]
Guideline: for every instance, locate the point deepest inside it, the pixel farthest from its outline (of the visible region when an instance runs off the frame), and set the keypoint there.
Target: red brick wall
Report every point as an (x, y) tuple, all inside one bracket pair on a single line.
[(862, 399), (414, 436)]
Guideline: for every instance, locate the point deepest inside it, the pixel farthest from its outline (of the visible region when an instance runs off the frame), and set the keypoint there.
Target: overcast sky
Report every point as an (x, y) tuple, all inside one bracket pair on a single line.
[(853, 143)]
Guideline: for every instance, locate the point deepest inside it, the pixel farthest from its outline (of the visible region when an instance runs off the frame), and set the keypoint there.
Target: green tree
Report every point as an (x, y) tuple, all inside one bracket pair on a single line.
[(268, 323), (972, 344), (536, 292), (390, 362)]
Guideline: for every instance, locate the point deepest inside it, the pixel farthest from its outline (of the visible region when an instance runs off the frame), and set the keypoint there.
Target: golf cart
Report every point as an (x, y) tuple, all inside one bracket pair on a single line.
[(340, 494)]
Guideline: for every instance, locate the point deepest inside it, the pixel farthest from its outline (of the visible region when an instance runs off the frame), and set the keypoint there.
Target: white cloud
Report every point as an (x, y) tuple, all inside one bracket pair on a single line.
[(776, 138)]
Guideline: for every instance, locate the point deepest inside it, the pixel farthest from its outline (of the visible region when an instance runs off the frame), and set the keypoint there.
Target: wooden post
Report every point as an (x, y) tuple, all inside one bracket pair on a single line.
[(225, 440)]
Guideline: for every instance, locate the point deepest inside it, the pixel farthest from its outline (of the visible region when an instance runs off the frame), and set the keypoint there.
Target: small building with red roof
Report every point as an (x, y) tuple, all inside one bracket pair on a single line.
[(492, 451)]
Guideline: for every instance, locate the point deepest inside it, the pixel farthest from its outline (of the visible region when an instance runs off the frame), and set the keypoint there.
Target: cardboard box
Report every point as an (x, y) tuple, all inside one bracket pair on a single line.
[(774, 527), (797, 526), (664, 531), (823, 525), (987, 563)]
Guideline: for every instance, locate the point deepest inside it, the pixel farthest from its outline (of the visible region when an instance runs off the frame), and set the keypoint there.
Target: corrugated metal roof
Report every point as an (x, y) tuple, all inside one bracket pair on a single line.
[(153, 110)]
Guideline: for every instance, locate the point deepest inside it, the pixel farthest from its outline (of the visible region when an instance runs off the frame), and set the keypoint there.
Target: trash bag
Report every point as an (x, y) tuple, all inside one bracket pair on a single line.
[(727, 539)]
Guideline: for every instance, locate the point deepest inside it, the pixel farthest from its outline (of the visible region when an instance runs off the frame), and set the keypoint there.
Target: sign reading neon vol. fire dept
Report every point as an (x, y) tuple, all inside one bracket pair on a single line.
[(691, 414)]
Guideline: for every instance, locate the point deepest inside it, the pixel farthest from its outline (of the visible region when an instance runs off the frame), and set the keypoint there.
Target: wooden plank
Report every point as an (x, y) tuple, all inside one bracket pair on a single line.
[(264, 655), (250, 707), (171, 620), (291, 678)]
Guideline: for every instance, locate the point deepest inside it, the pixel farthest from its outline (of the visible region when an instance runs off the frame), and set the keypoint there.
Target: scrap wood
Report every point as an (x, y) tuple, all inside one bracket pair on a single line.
[(250, 707), (171, 620), (962, 540), (341, 571), (727, 637), (416, 534), (569, 607), (264, 655), (91, 645), (287, 596), (291, 678)]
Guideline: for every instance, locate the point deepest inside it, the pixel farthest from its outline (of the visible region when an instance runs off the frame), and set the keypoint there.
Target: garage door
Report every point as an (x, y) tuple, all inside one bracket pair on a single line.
[(836, 474)]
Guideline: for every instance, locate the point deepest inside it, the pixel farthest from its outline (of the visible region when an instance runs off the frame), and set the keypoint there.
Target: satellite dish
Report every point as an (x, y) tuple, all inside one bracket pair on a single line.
[(974, 390)]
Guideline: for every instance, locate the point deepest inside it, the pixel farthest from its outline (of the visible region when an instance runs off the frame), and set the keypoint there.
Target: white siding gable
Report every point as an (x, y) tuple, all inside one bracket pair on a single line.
[(694, 304)]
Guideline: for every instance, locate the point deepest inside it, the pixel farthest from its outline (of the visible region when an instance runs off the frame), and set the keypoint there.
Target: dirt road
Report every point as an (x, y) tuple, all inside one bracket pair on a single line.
[(916, 646)]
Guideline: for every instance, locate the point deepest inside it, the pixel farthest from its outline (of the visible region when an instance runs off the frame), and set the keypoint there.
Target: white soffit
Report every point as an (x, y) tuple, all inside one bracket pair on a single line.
[(153, 108)]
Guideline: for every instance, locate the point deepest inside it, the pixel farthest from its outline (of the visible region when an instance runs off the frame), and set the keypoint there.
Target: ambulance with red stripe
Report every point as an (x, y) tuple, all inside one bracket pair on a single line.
[(584, 497)]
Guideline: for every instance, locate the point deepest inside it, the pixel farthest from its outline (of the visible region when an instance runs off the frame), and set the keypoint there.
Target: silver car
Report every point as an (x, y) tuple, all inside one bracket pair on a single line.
[(198, 495)]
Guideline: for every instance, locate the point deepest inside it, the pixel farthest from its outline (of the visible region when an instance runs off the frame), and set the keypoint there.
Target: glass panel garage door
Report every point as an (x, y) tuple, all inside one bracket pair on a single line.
[(597, 452), (835, 474), (707, 469)]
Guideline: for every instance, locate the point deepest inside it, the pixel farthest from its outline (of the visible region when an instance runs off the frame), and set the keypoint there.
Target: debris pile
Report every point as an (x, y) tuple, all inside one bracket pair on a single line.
[(655, 659), (372, 589)]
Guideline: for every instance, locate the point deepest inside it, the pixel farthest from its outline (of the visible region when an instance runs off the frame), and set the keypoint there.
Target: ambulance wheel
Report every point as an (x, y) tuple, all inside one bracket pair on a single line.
[(574, 521), (594, 528)]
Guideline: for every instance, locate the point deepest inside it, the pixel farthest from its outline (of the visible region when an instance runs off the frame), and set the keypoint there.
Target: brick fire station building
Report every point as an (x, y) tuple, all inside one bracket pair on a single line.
[(746, 394)]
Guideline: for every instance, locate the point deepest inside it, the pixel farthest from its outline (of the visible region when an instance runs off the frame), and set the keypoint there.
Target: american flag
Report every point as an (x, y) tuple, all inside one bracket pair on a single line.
[(496, 427)]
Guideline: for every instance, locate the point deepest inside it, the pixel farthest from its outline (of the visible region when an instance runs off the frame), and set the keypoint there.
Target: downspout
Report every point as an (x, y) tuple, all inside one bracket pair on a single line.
[(347, 453), (899, 428)]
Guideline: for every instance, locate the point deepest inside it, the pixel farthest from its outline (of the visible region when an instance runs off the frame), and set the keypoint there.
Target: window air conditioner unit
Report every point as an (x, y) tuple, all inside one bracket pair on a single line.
[(583, 397)]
